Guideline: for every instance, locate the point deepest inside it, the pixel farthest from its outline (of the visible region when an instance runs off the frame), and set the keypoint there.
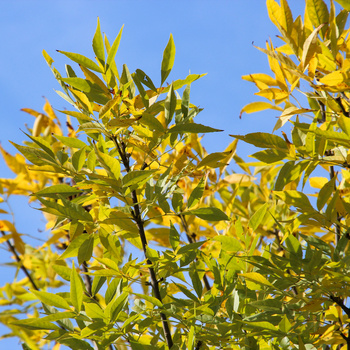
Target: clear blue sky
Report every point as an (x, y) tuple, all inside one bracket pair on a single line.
[(213, 37)]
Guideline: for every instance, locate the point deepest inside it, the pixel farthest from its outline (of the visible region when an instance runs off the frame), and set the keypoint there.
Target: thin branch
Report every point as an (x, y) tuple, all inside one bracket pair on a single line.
[(140, 224), (339, 301), (19, 260)]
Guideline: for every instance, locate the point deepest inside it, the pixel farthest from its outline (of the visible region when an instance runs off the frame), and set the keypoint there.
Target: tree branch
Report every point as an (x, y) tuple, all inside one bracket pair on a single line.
[(19, 260), (140, 225)]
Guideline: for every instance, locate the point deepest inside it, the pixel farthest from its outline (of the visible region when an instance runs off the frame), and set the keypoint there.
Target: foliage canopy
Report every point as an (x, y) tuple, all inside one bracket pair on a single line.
[(229, 260)]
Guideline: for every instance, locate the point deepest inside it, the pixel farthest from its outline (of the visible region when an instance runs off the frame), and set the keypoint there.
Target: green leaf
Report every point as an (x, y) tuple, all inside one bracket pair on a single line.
[(228, 243), (78, 83), (174, 237), (35, 156), (73, 248), (192, 128), (97, 284), (196, 282), (68, 209), (196, 194), (169, 105), (294, 246), (264, 140), (116, 307), (51, 299), (178, 84), (318, 13), (76, 290), (84, 61), (187, 292), (78, 159), (97, 44), (325, 193), (185, 102), (86, 249), (296, 199), (93, 310), (270, 156), (62, 271), (114, 48), (285, 325), (79, 116), (208, 213), (71, 141), (56, 190), (168, 59), (190, 247), (111, 164), (76, 344), (152, 300), (258, 217), (151, 122), (145, 79), (191, 338), (288, 173), (34, 324), (213, 160), (112, 288), (136, 176)]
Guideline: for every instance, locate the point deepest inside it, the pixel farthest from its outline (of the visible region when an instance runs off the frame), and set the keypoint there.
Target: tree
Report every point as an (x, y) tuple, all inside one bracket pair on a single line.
[(229, 260)]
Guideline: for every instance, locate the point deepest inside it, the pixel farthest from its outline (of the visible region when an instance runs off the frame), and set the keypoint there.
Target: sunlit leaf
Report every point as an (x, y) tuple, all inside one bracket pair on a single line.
[(168, 59)]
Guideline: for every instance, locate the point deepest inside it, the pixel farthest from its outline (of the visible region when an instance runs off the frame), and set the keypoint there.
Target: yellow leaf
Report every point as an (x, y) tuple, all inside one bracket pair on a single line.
[(260, 77), (239, 179), (256, 278), (318, 182), (257, 107), (273, 94), (16, 163), (335, 78), (310, 47)]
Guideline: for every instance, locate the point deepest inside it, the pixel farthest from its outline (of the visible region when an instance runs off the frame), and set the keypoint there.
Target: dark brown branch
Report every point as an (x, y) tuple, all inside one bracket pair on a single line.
[(140, 224), (19, 260), (340, 302)]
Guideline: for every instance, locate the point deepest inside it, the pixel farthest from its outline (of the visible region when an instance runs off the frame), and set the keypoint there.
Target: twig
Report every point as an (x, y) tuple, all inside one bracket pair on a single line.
[(19, 260)]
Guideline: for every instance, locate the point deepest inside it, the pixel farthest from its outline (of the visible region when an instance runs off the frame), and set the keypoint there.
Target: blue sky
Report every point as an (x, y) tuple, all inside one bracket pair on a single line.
[(213, 37)]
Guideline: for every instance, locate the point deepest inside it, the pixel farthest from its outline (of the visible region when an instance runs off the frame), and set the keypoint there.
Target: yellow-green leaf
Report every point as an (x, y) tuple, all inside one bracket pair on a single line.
[(113, 50), (51, 299), (228, 243), (97, 44), (168, 59), (84, 61), (76, 290), (257, 278), (257, 217)]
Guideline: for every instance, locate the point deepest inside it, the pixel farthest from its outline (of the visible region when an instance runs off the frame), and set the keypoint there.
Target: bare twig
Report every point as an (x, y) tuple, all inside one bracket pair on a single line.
[(19, 260)]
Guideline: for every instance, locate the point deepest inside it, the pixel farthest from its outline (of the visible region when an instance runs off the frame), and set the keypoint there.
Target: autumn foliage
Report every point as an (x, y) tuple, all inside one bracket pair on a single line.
[(219, 259)]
